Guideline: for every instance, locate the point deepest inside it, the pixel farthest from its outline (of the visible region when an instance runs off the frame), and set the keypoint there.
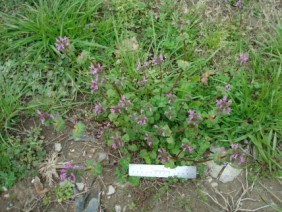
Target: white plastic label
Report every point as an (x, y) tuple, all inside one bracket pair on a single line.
[(141, 170)]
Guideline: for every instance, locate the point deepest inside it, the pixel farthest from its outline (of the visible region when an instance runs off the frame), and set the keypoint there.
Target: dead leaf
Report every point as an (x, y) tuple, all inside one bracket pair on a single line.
[(39, 186), (205, 77)]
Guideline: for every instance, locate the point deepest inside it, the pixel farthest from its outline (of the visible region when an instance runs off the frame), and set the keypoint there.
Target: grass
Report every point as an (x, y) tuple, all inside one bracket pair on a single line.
[(37, 76)]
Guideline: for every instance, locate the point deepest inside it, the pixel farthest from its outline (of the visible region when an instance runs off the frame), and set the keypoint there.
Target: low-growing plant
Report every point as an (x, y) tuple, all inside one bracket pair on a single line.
[(64, 191), (22, 158)]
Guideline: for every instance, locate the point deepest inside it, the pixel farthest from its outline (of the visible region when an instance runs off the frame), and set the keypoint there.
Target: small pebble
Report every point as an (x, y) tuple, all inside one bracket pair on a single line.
[(111, 190), (58, 147), (214, 184), (117, 208)]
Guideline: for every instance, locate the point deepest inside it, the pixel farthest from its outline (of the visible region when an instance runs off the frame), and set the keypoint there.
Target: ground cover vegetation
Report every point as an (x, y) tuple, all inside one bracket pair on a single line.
[(165, 83)]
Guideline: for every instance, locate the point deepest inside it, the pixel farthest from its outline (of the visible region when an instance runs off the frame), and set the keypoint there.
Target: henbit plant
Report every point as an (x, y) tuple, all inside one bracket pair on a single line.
[(35, 29)]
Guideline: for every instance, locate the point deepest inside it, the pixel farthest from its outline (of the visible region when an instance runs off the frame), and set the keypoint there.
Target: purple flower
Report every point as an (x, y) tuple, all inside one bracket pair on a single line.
[(62, 43), (243, 58), (158, 60), (42, 115), (141, 82), (234, 156), (234, 146), (124, 102), (163, 155), (242, 160), (95, 69), (117, 141), (141, 67), (99, 108), (170, 97), (115, 109), (140, 119), (193, 117), (187, 147), (94, 85), (239, 4), (223, 105), (67, 173)]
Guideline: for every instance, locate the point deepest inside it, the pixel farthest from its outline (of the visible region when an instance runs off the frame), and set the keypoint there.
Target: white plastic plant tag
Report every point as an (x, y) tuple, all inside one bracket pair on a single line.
[(141, 170)]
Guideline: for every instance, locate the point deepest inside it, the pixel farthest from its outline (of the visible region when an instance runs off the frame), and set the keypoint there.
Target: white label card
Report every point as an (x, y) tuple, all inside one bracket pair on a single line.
[(142, 170)]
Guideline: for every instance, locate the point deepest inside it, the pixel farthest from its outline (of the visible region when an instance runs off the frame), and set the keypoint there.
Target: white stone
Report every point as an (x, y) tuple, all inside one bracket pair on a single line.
[(117, 208), (214, 184), (80, 186), (111, 190), (124, 209), (101, 156), (58, 147), (209, 179), (228, 175)]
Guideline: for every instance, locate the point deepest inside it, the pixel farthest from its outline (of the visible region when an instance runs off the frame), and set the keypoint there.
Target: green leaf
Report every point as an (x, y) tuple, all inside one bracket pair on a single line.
[(133, 147), (184, 65), (97, 169), (113, 116), (111, 93), (134, 180), (125, 138), (170, 164), (78, 130), (121, 177), (124, 165), (170, 140), (89, 163), (59, 124)]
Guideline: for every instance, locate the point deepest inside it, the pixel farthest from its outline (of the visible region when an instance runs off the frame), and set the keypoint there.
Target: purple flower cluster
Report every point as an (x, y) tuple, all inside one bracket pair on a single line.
[(243, 58), (94, 82), (149, 139), (187, 147), (236, 155), (193, 117), (98, 108), (95, 69), (143, 81), (163, 155), (101, 127), (67, 173), (94, 85), (170, 97), (124, 103), (223, 105), (157, 60), (115, 109), (62, 43), (117, 141), (239, 3), (141, 67), (57, 114), (43, 116), (140, 119)]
